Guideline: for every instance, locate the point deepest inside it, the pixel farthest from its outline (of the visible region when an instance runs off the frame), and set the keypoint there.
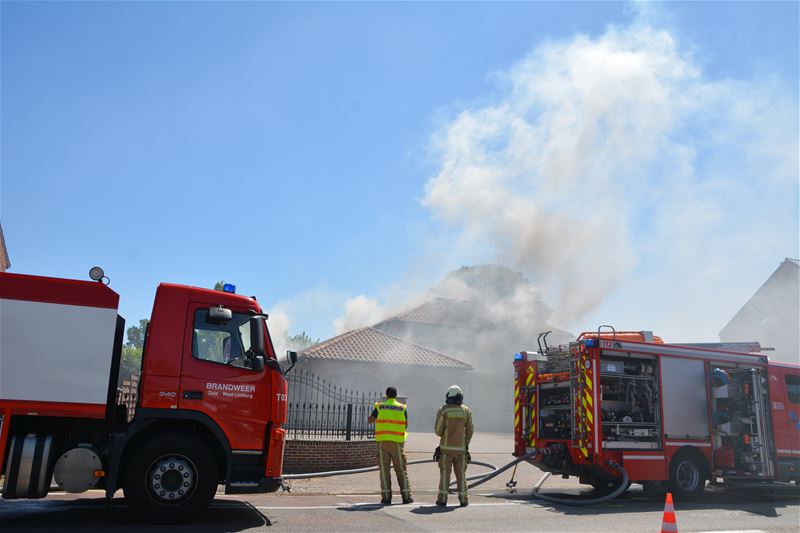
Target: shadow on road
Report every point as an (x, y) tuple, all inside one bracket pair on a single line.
[(88, 514), (363, 507), (762, 501), (434, 509)]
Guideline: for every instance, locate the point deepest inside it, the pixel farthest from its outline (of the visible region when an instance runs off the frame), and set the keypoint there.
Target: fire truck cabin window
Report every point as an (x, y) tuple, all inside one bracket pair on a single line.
[(793, 388), (221, 343)]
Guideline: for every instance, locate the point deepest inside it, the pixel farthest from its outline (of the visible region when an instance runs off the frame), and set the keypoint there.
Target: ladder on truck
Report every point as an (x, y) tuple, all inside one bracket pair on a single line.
[(570, 354), (580, 386)]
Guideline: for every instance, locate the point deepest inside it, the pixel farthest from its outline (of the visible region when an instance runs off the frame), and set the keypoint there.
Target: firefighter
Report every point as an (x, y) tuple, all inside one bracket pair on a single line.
[(391, 421), (454, 426)]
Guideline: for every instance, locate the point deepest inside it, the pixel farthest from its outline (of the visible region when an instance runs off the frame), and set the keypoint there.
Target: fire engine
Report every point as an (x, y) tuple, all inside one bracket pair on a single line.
[(211, 401), (671, 415)]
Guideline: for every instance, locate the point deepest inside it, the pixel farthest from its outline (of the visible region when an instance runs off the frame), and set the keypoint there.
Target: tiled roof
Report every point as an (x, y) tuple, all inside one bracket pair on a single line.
[(368, 345), (439, 311)]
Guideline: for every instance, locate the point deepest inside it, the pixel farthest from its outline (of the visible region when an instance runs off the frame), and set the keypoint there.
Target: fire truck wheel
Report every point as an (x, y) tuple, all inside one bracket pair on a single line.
[(170, 479), (687, 475)]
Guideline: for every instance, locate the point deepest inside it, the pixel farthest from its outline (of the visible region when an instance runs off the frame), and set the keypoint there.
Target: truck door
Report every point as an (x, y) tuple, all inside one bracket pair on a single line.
[(217, 377), (784, 387)]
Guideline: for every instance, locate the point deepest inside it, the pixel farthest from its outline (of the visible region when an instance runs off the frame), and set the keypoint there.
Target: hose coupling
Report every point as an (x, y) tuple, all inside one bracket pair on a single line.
[(553, 449)]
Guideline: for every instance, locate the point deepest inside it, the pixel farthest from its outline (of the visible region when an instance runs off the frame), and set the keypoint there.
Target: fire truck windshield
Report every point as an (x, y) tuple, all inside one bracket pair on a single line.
[(231, 342)]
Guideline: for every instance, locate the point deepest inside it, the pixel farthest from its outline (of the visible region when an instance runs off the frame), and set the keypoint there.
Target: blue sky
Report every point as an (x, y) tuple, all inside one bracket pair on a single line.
[(290, 148)]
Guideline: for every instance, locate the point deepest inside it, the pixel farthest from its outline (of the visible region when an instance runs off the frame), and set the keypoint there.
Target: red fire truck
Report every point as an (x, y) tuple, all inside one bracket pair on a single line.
[(211, 402), (668, 413)]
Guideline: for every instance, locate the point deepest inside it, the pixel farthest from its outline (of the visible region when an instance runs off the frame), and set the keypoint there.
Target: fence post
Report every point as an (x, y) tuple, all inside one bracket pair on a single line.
[(349, 421)]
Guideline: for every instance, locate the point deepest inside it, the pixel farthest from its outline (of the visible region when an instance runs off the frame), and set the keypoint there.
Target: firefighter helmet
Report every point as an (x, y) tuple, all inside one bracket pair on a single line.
[(454, 394)]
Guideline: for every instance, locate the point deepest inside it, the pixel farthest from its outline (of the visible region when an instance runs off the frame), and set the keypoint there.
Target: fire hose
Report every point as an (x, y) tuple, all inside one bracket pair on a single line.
[(623, 486), (483, 478), (375, 469)]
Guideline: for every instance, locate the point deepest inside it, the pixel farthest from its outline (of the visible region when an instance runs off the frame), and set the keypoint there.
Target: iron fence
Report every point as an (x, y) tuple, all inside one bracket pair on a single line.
[(319, 409), (128, 394)]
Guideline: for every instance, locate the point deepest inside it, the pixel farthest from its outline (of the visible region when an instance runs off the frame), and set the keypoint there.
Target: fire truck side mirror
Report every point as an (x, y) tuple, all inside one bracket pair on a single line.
[(257, 335), (219, 314), (291, 356), (258, 363)]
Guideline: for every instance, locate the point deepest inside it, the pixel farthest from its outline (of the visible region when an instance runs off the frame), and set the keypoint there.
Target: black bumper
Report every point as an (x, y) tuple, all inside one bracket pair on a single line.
[(267, 484)]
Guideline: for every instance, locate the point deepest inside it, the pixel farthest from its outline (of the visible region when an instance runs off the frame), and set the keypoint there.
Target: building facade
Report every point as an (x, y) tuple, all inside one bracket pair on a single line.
[(772, 315)]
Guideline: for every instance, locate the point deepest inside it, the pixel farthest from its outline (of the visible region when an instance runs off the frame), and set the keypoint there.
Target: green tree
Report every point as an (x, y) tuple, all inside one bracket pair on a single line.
[(136, 334), (300, 341), (132, 351), (218, 285), (131, 361)]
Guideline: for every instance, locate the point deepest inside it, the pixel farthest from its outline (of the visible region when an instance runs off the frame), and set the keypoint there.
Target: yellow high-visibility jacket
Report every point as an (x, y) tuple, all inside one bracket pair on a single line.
[(391, 422)]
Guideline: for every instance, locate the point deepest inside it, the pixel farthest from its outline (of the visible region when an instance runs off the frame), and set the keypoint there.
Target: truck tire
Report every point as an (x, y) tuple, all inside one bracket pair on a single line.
[(171, 478), (687, 475)]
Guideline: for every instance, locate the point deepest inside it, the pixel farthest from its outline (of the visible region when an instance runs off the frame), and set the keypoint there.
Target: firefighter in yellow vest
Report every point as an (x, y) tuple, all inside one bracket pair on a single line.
[(391, 421), (454, 427)]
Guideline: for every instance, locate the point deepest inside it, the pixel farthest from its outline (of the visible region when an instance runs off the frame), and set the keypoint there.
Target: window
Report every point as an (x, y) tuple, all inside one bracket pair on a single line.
[(226, 343), (793, 388)]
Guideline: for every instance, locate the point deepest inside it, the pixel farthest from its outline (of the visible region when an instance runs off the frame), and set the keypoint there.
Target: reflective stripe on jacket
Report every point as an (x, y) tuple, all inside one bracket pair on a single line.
[(391, 421), (454, 426)]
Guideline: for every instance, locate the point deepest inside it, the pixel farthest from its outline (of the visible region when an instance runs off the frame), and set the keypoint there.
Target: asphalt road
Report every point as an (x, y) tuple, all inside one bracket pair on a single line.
[(776, 509), (349, 503)]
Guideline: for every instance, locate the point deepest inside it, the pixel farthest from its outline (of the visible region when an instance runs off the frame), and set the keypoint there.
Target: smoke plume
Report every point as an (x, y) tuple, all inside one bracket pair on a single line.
[(358, 312), (601, 155)]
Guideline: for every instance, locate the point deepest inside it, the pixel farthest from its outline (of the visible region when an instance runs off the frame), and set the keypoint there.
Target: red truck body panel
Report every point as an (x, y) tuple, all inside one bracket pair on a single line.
[(57, 290)]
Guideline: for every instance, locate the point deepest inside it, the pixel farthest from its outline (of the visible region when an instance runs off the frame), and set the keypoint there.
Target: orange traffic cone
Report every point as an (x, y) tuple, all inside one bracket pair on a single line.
[(668, 524)]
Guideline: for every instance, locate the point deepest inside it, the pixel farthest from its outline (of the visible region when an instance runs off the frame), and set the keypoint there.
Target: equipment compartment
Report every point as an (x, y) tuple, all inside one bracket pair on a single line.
[(555, 411), (629, 400), (742, 446)]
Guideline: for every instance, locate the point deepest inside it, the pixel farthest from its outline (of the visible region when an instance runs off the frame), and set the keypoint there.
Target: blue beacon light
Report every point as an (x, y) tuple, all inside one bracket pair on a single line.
[(229, 287), (591, 343), (518, 357)]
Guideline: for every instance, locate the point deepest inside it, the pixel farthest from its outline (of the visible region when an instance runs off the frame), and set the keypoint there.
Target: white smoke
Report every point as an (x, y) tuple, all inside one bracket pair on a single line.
[(358, 312), (278, 324), (600, 155)]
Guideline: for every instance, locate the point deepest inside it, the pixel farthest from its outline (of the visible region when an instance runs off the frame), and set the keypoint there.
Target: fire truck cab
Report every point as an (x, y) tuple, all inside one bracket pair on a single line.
[(212, 397), (668, 413)]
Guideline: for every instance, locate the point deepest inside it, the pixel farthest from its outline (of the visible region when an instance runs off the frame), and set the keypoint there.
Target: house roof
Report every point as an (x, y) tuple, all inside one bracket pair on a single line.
[(368, 345), (437, 311)]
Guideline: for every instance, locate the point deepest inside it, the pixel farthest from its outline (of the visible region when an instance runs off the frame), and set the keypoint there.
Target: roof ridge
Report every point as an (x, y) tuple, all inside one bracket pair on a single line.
[(428, 306), (418, 346), (373, 345)]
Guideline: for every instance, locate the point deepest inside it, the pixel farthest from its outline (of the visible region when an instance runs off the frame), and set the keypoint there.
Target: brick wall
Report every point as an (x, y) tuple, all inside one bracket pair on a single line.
[(301, 456)]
